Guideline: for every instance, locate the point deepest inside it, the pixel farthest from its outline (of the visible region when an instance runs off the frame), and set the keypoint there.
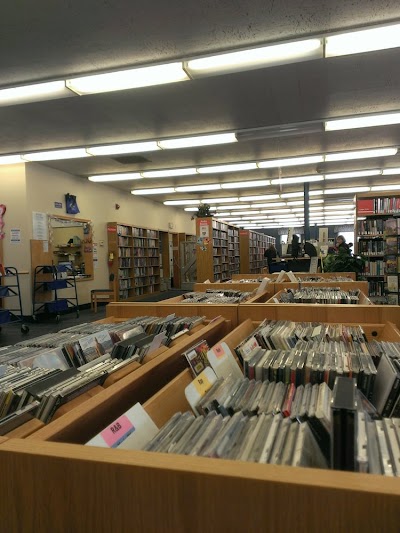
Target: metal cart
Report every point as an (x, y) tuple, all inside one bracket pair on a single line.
[(48, 282), (10, 289)]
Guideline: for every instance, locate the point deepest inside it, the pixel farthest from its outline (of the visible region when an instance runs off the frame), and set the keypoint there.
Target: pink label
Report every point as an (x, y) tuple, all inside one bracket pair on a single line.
[(118, 431), (219, 351)]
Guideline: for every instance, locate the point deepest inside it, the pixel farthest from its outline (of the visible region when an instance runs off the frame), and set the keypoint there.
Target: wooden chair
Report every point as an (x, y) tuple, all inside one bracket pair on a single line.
[(100, 295)]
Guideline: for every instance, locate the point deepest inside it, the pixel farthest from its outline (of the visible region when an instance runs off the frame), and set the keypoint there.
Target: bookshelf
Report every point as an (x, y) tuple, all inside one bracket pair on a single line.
[(217, 250), (134, 259), (252, 248), (377, 238)]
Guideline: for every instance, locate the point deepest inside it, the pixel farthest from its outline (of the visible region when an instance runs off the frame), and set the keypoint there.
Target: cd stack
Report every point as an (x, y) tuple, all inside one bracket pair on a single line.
[(215, 296), (320, 295)]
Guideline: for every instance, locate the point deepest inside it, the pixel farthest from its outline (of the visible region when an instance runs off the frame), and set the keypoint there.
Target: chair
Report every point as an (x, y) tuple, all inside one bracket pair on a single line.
[(99, 295)]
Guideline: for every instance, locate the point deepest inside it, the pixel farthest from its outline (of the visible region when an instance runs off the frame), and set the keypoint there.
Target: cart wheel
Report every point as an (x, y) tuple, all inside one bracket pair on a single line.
[(58, 318), (24, 328)]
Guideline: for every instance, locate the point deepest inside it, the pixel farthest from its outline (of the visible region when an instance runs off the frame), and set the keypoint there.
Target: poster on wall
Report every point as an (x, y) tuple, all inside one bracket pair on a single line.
[(40, 227), (204, 229), (15, 236)]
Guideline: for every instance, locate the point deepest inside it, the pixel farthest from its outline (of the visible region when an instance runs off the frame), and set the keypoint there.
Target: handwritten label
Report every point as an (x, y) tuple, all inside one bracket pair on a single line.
[(118, 431), (202, 384)]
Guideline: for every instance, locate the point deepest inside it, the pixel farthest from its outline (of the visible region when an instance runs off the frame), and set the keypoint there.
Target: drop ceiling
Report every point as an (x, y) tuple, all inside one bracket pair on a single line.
[(47, 40)]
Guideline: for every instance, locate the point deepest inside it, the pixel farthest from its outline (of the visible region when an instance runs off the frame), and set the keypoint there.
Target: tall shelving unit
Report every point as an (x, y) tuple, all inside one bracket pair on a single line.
[(134, 259), (377, 237), (217, 250), (252, 248)]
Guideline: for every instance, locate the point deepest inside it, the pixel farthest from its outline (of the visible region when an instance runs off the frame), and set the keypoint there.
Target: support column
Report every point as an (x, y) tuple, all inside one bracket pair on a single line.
[(306, 211)]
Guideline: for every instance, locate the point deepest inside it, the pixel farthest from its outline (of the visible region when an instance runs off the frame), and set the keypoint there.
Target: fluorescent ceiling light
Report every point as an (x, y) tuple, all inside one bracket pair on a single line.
[(306, 160), (195, 188), (127, 148), (182, 202), (248, 212), (52, 155), (234, 207), (128, 79), (299, 179), (361, 154), (196, 209), (301, 209), (390, 171), (346, 190), (34, 93), (221, 214), (11, 159), (259, 197), (128, 176), (265, 56), (338, 206), (169, 173), (301, 202), (199, 140), (245, 184), (235, 167), (316, 193), (367, 40), (270, 204), (386, 188), (357, 174), (384, 119), (274, 211), (220, 201), (300, 194), (165, 190)]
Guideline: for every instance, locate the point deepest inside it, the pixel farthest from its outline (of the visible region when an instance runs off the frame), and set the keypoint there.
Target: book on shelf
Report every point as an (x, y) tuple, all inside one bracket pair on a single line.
[(365, 206), (391, 245), (393, 283), (391, 264), (390, 226), (393, 299)]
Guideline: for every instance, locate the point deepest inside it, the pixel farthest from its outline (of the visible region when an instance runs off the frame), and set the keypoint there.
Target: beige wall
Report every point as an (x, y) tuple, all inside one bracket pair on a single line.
[(96, 202), (13, 195)]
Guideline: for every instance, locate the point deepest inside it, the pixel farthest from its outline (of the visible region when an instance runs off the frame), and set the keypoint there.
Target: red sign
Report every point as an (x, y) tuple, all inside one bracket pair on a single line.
[(111, 229)]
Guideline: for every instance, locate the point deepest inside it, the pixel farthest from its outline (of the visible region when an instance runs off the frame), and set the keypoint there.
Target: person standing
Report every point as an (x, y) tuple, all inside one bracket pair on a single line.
[(269, 255), (341, 245)]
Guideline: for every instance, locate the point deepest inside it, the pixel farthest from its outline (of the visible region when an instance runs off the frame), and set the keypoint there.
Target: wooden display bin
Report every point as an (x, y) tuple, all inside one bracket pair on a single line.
[(344, 285), (127, 310), (261, 297), (245, 287), (363, 300), (97, 489), (88, 418)]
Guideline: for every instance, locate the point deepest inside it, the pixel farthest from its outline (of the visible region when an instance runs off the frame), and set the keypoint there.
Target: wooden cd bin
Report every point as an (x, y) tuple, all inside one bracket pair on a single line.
[(97, 489)]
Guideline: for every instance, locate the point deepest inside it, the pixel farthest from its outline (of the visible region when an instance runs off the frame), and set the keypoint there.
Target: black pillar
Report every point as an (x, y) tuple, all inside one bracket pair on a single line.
[(306, 211)]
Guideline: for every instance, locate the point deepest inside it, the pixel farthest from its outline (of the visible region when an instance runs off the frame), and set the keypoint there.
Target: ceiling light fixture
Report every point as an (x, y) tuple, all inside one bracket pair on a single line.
[(386, 188), (128, 79), (259, 197), (356, 174), (265, 56), (365, 40), (367, 121), (197, 188), (361, 154), (245, 184), (270, 204), (11, 159), (128, 176), (127, 148), (299, 179), (346, 190), (292, 161), (220, 201), (390, 171), (234, 207), (199, 140), (34, 93), (233, 167), (182, 202), (169, 173), (165, 190), (52, 155)]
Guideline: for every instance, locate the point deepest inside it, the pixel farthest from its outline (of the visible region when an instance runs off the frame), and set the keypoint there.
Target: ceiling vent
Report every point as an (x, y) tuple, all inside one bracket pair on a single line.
[(131, 159)]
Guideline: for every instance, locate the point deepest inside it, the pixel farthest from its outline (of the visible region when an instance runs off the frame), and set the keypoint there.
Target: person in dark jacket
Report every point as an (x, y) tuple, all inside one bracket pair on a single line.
[(341, 245), (270, 254)]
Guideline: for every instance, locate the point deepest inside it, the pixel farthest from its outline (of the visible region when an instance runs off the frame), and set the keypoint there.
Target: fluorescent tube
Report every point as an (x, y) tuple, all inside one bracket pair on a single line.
[(199, 140), (361, 154), (367, 40), (386, 188), (127, 148), (11, 159), (356, 174), (245, 184), (196, 188), (259, 197), (346, 190), (165, 190), (128, 79), (169, 173), (292, 161), (128, 176), (265, 56), (34, 93), (53, 155), (300, 179), (384, 119), (390, 171), (234, 167), (182, 202)]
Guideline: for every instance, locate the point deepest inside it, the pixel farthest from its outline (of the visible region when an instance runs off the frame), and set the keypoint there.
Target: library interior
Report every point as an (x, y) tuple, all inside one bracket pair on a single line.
[(199, 265)]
